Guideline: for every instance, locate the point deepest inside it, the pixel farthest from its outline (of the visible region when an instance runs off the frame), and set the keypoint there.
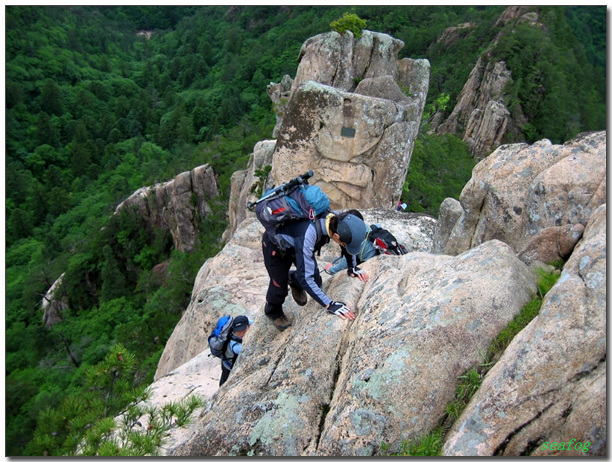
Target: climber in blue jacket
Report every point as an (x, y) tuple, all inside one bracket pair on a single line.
[(366, 252)]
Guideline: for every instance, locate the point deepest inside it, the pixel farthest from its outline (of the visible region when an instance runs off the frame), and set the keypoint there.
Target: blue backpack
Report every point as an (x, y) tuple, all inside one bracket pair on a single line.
[(295, 200), (219, 337)]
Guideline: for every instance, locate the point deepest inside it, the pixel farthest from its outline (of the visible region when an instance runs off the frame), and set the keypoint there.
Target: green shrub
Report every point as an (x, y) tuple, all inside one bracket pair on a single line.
[(429, 445), (350, 22), (85, 422)]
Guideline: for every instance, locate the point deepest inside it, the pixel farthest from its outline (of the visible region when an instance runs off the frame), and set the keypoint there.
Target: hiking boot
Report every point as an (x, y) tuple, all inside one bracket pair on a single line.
[(281, 323), (299, 295)]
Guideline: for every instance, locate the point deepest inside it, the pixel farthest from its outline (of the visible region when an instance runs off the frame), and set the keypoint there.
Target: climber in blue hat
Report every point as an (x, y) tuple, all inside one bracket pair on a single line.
[(302, 239), (240, 325)]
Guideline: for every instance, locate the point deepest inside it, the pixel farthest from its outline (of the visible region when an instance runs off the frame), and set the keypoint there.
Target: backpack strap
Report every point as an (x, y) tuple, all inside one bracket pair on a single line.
[(371, 233), (231, 338), (321, 237)]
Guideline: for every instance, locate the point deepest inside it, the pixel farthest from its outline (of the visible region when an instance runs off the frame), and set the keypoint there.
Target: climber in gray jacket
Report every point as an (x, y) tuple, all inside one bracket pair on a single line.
[(240, 327), (301, 240)]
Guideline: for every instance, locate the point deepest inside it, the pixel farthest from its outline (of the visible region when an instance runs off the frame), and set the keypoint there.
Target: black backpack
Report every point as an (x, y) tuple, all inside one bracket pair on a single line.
[(294, 200), (385, 242)]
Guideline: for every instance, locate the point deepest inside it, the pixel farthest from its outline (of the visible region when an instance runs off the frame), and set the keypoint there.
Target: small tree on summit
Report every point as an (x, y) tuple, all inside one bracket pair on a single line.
[(349, 21)]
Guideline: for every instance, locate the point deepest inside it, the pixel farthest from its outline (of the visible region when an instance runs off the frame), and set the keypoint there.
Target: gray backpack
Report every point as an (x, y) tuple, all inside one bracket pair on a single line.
[(219, 337)]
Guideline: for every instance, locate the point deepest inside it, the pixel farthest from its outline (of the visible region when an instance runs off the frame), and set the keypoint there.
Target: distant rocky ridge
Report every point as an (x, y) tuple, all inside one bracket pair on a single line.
[(480, 116), (176, 206), (53, 304)]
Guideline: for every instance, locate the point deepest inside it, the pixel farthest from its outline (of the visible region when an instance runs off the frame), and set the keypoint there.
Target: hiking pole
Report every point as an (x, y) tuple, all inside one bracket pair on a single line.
[(282, 189), (333, 263)]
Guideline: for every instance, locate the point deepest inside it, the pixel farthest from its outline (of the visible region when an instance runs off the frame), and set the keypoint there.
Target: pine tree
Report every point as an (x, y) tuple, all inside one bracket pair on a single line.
[(101, 418)]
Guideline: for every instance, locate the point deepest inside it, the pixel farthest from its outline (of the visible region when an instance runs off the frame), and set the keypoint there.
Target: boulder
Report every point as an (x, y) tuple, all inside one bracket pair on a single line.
[(550, 383), (413, 79), (329, 387), (414, 230), (197, 377), (520, 190), (450, 212), (376, 55), (341, 60), (552, 244)]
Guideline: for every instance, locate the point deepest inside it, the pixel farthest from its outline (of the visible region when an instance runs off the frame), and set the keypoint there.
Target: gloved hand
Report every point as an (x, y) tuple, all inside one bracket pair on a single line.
[(357, 272), (338, 308)]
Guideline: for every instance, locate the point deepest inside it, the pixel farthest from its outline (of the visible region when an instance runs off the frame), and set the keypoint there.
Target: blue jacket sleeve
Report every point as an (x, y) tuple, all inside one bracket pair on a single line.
[(236, 347), (341, 265), (367, 251), (232, 351)]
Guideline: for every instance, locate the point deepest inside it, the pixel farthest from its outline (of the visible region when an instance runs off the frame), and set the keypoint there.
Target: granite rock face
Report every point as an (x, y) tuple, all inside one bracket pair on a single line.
[(550, 383), (520, 190), (176, 206), (53, 304), (235, 280), (359, 147), (329, 387)]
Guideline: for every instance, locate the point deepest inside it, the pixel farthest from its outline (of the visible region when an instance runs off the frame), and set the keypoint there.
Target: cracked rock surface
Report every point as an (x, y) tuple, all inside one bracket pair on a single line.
[(550, 384), (328, 387)]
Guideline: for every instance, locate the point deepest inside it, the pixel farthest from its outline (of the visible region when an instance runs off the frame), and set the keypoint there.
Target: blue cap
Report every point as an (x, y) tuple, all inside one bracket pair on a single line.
[(352, 231)]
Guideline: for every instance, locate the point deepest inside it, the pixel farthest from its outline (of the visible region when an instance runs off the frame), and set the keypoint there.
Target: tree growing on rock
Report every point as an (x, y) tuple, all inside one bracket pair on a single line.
[(351, 22)]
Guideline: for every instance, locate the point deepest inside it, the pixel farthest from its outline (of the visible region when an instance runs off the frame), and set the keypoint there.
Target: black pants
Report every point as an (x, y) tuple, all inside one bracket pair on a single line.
[(224, 374), (278, 266)]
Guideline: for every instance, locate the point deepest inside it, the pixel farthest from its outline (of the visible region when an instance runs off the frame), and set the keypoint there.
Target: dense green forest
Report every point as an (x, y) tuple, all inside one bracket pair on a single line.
[(95, 110)]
